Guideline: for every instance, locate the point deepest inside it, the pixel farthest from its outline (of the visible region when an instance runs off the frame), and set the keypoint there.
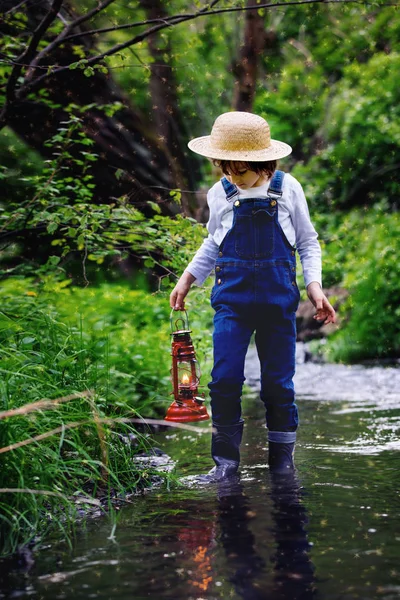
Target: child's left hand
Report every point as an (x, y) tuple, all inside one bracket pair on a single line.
[(325, 310)]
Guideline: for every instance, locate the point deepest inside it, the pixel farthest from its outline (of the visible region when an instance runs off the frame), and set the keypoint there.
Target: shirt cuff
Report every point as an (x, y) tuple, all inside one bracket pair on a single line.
[(310, 278)]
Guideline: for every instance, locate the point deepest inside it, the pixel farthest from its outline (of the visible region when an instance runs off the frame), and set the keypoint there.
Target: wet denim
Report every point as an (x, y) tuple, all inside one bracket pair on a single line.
[(255, 290)]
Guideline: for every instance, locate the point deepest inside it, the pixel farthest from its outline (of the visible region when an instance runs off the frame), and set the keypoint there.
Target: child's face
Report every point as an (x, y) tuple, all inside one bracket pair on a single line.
[(244, 178)]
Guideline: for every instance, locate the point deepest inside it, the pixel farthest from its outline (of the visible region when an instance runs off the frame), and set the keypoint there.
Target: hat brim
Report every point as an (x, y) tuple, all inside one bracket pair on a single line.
[(277, 149)]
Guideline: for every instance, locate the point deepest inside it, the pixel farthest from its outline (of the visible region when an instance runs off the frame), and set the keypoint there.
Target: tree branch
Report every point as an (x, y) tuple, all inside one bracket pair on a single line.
[(74, 36), (64, 36), (201, 13), (28, 54), (14, 8), (132, 25), (167, 22), (60, 39)]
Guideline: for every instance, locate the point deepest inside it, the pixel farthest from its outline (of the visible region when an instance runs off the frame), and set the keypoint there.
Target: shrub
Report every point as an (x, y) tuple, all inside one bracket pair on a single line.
[(361, 255), (361, 132)]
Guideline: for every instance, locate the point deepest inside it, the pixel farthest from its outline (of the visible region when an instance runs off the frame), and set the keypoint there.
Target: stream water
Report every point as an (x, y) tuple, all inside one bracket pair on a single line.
[(330, 532)]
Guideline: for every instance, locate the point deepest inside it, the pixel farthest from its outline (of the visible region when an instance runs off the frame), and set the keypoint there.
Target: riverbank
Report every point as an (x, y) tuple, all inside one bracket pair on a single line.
[(218, 542), (78, 367)]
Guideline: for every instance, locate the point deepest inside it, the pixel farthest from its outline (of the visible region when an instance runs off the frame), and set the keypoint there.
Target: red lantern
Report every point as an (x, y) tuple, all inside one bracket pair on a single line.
[(185, 375)]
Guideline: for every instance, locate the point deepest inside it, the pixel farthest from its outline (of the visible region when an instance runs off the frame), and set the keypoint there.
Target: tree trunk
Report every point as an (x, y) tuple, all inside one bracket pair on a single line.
[(166, 115), (246, 68)]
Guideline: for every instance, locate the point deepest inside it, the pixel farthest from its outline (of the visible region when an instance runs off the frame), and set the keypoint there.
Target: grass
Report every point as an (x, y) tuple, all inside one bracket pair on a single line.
[(78, 369)]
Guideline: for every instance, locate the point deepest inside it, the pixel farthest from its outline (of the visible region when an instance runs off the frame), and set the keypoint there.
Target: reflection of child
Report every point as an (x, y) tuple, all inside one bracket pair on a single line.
[(257, 216)]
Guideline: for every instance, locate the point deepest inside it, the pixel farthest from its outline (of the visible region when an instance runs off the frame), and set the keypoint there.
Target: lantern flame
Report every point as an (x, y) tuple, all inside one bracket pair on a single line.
[(185, 379)]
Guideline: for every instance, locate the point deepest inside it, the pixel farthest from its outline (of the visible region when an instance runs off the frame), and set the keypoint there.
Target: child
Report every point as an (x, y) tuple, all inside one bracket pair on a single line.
[(257, 216)]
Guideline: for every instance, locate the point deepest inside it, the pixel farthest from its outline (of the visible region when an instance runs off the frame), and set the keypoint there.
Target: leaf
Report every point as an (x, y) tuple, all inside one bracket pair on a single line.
[(102, 69), (52, 227), (176, 195), (154, 206)]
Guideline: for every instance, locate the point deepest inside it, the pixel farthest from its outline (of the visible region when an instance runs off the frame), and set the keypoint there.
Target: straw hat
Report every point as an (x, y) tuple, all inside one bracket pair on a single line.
[(240, 136)]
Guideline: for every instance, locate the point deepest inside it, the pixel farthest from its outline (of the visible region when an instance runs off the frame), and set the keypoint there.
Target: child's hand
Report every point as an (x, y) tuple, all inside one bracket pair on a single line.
[(325, 310), (180, 291)]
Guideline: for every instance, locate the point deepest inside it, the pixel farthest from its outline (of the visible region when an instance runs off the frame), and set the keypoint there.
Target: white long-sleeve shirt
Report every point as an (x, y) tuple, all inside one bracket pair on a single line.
[(293, 217)]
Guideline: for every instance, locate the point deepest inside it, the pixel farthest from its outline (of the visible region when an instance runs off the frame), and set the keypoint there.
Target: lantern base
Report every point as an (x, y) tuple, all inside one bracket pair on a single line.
[(188, 411)]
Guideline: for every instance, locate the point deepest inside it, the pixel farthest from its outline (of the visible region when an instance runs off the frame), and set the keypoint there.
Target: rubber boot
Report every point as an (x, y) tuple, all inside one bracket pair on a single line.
[(280, 458), (225, 451)]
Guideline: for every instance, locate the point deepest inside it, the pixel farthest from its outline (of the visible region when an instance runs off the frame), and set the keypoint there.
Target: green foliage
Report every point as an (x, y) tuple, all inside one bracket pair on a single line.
[(299, 86), (334, 36), (360, 254), (18, 166), (124, 334), (202, 93), (61, 207), (361, 130)]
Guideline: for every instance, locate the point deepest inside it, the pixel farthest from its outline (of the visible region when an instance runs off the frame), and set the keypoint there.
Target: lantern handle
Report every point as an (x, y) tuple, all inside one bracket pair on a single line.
[(184, 320)]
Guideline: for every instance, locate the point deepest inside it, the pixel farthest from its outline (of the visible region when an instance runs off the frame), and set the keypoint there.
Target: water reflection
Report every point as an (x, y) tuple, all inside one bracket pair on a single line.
[(294, 571), (197, 541), (260, 529), (248, 540), (288, 574), (238, 541)]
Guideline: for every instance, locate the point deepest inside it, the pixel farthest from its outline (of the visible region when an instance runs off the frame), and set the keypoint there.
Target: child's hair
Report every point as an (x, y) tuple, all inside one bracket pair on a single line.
[(267, 167)]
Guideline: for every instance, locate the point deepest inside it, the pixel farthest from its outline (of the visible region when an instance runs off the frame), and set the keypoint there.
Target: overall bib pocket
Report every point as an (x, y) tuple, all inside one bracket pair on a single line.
[(255, 235)]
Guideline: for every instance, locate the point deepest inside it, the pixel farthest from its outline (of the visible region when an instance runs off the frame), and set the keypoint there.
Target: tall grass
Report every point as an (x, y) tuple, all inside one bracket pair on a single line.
[(78, 367)]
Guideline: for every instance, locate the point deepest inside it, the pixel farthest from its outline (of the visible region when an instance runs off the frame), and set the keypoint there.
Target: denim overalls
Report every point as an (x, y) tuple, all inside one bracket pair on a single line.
[(255, 290)]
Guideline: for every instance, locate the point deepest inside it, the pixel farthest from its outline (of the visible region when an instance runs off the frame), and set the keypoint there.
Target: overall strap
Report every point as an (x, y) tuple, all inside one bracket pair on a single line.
[(275, 187), (231, 190), (274, 190)]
